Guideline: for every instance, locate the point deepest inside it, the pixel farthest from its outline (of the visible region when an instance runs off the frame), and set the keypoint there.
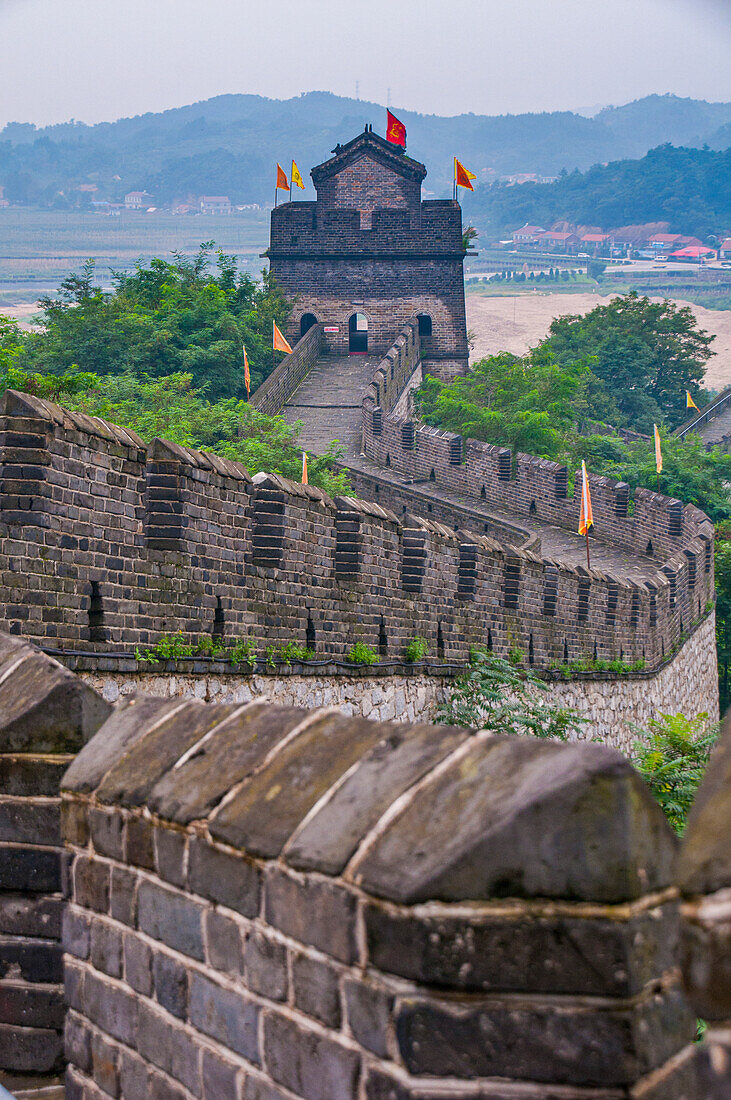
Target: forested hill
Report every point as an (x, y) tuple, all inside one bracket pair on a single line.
[(228, 145), (688, 188)]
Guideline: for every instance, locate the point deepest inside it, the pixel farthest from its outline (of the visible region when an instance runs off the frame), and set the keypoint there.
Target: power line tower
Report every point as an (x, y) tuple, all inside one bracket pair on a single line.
[(357, 89)]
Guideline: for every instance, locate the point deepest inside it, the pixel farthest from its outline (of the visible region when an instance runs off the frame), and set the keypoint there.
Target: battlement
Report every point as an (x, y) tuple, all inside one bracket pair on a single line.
[(300, 229), (106, 544)]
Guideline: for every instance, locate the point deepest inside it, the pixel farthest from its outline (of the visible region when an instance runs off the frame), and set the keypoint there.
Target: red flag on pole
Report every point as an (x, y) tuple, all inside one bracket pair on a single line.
[(247, 375), (395, 130)]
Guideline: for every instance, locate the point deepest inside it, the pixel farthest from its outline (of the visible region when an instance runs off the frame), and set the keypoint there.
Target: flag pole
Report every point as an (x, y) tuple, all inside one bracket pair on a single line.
[(588, 559)]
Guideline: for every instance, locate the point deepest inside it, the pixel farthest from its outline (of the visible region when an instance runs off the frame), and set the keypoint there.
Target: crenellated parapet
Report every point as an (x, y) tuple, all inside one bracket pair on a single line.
[(106, 544)]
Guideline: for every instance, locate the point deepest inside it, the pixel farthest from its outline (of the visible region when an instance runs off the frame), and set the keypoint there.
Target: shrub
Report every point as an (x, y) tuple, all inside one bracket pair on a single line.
[(362, 654), (672, 759), (243, 652), (500, 696), (171, 647), (417, 649)]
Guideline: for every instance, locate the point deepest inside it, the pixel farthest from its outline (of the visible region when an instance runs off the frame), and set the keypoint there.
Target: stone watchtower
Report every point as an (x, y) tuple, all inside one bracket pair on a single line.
[(369, 254)]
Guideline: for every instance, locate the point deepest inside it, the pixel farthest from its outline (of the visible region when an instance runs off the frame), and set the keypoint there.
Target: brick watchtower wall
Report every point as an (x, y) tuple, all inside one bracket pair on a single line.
[(370, 245)]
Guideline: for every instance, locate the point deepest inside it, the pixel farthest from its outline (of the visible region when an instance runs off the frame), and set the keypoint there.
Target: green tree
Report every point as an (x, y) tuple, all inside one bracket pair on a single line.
[(648, 353), (166, 317), (672, 758), (10, 343)]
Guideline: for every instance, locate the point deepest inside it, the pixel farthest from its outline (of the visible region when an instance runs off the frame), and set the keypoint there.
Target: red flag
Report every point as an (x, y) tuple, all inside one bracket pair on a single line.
[(395, 130)]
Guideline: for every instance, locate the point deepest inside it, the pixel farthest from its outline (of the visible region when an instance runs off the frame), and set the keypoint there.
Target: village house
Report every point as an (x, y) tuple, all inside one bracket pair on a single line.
[(137, 200), (559, 242), (528, 235), (595, 242), (724, 252), (215, 204)]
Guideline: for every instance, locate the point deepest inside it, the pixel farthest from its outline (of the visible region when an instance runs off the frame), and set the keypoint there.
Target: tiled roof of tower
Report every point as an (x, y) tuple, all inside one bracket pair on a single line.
[(380, 149)]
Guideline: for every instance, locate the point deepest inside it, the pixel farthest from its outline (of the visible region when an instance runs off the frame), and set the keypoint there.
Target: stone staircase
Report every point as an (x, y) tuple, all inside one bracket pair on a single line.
[(328, 402)]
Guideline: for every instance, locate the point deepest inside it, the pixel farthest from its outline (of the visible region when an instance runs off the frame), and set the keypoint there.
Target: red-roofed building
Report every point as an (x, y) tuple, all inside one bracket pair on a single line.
[(559, 242), (595, 242), (528, 234), (693, 252), (724, 252)]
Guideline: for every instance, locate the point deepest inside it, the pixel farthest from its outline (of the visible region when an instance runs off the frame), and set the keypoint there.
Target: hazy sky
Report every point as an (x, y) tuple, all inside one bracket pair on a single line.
[(102, 59)]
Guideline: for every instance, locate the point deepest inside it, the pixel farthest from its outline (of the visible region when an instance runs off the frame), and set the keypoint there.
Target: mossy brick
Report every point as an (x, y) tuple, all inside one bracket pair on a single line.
[(401, 756), (267, 808), (191, 790), (526, 818), (131, 720), (138, 843)]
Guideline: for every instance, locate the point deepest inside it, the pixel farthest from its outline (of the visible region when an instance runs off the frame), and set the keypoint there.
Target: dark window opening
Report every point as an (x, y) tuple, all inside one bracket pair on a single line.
[(649, 549), (532, 509), (432, 475), (530, 650), (310, 634), (97, 633), (218, 619), (489, 639), (440, 642), (358, 334), (596, 653), (429, 507), (382, 639), (565, 650), (388, 459), (483, 493), (307, 320), (425, 326)]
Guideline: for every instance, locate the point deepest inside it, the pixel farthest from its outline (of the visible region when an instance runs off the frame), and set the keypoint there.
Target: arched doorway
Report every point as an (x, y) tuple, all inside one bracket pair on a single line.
[(424, 328), (358, 334), (307, 320)]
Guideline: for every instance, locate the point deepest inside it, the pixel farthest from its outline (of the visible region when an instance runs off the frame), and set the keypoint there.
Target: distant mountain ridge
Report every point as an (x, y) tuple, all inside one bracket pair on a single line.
[(229, 144)]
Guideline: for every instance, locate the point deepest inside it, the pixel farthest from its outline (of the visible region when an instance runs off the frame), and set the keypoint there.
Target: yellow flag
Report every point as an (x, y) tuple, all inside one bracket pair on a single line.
[(279, 343), (304, 468), (462, 176), (586, 516), (247, 375), (658, 451), (689, 402), (296, 178)]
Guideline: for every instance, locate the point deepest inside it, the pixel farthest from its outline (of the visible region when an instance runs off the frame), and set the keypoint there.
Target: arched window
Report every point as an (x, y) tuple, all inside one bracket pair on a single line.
[(358, 334), (307, 320), (424, 326)]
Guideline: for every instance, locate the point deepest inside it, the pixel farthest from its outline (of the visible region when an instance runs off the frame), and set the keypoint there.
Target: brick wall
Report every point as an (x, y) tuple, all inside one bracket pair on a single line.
[(107, 544), (295, 904), (46, 715), (275, 391)]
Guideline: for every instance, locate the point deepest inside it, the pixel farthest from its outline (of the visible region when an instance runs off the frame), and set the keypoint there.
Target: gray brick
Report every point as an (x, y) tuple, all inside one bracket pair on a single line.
[(123, 902), (154, 1037), (106, 829), (219, 1077), (134, 1076), (226, 879), (369, 1013), (106, 949), (316, 991), (171, 918), (77, 1042), (105, 1065), (91, 884), (228, 1017), (171, 984), (266, 966), (137, 964), (308, 1064), (321, 914), (225, 950), (170, 852), (76, 935), (112, 1009)]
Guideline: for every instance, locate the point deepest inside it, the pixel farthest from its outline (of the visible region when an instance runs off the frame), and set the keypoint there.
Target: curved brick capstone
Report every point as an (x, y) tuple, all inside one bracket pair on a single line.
[(271, 901)]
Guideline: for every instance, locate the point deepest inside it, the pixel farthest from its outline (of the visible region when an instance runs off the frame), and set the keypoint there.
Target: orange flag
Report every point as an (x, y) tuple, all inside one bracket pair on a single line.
[(586, 517), (462, 176), (278, 341), (282, 184), (304, 468), (658, 450), (395, 130), (247, 375)]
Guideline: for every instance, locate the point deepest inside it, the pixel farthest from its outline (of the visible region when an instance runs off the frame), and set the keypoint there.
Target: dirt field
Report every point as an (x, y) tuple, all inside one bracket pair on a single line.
[(515, 324)]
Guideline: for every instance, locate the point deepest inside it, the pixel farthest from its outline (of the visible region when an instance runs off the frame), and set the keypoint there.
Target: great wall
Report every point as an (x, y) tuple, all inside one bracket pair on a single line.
[(269, 903)]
